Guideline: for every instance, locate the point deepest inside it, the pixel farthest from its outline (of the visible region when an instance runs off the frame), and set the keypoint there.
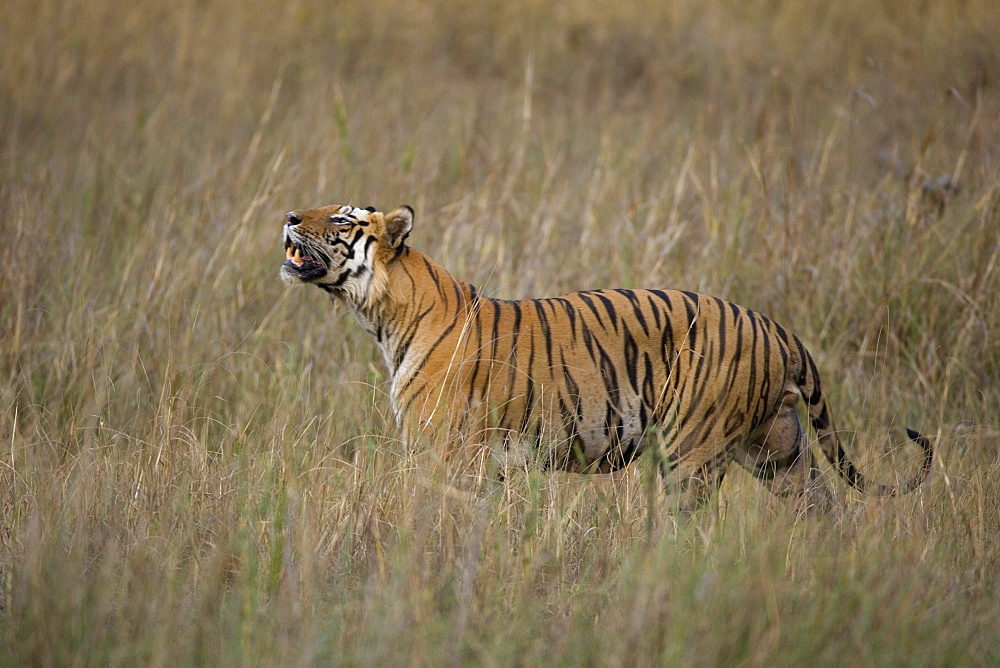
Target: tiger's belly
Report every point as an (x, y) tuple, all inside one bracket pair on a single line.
[(582, 434)]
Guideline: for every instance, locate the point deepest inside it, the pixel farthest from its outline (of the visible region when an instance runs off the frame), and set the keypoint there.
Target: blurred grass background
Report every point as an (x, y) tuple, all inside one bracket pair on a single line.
[(197, 464)]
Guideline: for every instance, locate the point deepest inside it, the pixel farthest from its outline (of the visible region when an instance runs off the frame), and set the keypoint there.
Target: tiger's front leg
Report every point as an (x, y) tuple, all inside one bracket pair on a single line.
[(458, 439)]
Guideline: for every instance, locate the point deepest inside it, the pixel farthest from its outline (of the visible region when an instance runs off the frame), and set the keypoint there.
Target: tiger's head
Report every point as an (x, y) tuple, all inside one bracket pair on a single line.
[(343, 249)]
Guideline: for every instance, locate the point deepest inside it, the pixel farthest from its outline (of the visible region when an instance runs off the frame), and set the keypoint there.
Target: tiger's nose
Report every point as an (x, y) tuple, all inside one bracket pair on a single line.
[(293, 218)]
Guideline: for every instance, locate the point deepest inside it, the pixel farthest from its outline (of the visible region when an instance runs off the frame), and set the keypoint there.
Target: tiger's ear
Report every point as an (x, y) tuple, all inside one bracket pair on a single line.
[(398, 224)]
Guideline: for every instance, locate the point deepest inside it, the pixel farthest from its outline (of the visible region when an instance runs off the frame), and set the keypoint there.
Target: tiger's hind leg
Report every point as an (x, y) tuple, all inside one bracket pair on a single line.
[(687, 493), (780, 458)]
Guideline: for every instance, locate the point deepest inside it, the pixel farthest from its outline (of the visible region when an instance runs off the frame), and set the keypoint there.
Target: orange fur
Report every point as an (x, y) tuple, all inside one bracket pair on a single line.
[(582, 382)]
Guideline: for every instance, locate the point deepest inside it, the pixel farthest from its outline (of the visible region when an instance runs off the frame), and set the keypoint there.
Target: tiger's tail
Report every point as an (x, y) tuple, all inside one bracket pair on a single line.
[(829, 442)]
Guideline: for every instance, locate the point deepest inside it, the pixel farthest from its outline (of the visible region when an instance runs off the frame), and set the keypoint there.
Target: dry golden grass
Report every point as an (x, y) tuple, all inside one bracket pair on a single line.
[(197, 465)]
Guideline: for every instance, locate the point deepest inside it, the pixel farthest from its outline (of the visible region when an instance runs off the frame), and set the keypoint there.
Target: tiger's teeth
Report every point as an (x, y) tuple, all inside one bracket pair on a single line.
[(297, 257), (288, 253)]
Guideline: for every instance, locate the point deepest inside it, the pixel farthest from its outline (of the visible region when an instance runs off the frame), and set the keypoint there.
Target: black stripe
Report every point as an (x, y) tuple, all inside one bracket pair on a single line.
[(478, 350), (765, 382), (590, 304), (434, 277), (722, 328), (428, 354), (354, 243), (588, 340), (665, 298), (494, 338), (782, 334), (406, 338), (752, 382), (648, 390), (573, 394), (667, 349), (631, 359), (821, 421), (733, 422), (656, 311), (570, 312), (515, 334), (543, 321), (610, 308), (340, 281), (636, 308), (529, 393), (692, 316)]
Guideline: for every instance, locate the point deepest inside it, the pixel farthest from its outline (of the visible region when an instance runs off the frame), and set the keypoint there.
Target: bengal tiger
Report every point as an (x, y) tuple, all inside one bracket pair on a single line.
[(583, 382)]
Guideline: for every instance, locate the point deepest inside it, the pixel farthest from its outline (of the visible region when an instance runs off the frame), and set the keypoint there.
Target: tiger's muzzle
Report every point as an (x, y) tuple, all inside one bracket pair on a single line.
[(303, 261)]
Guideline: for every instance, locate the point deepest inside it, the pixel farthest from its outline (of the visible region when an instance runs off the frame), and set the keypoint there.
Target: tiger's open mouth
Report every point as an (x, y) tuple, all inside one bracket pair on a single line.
[(305, 263)]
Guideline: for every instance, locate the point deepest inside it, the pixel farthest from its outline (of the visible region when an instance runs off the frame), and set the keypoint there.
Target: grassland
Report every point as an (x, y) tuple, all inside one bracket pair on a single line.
[(197, 465)]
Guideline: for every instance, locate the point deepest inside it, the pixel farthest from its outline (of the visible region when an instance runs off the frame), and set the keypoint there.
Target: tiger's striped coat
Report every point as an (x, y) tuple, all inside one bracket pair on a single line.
[(585, 381)]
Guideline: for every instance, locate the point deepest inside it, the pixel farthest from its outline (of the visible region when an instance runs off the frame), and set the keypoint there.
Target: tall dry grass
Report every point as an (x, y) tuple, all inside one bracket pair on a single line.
[(197, 465)]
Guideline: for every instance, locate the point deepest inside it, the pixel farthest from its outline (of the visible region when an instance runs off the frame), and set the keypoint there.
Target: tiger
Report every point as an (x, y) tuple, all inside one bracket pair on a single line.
[(583, 382)]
